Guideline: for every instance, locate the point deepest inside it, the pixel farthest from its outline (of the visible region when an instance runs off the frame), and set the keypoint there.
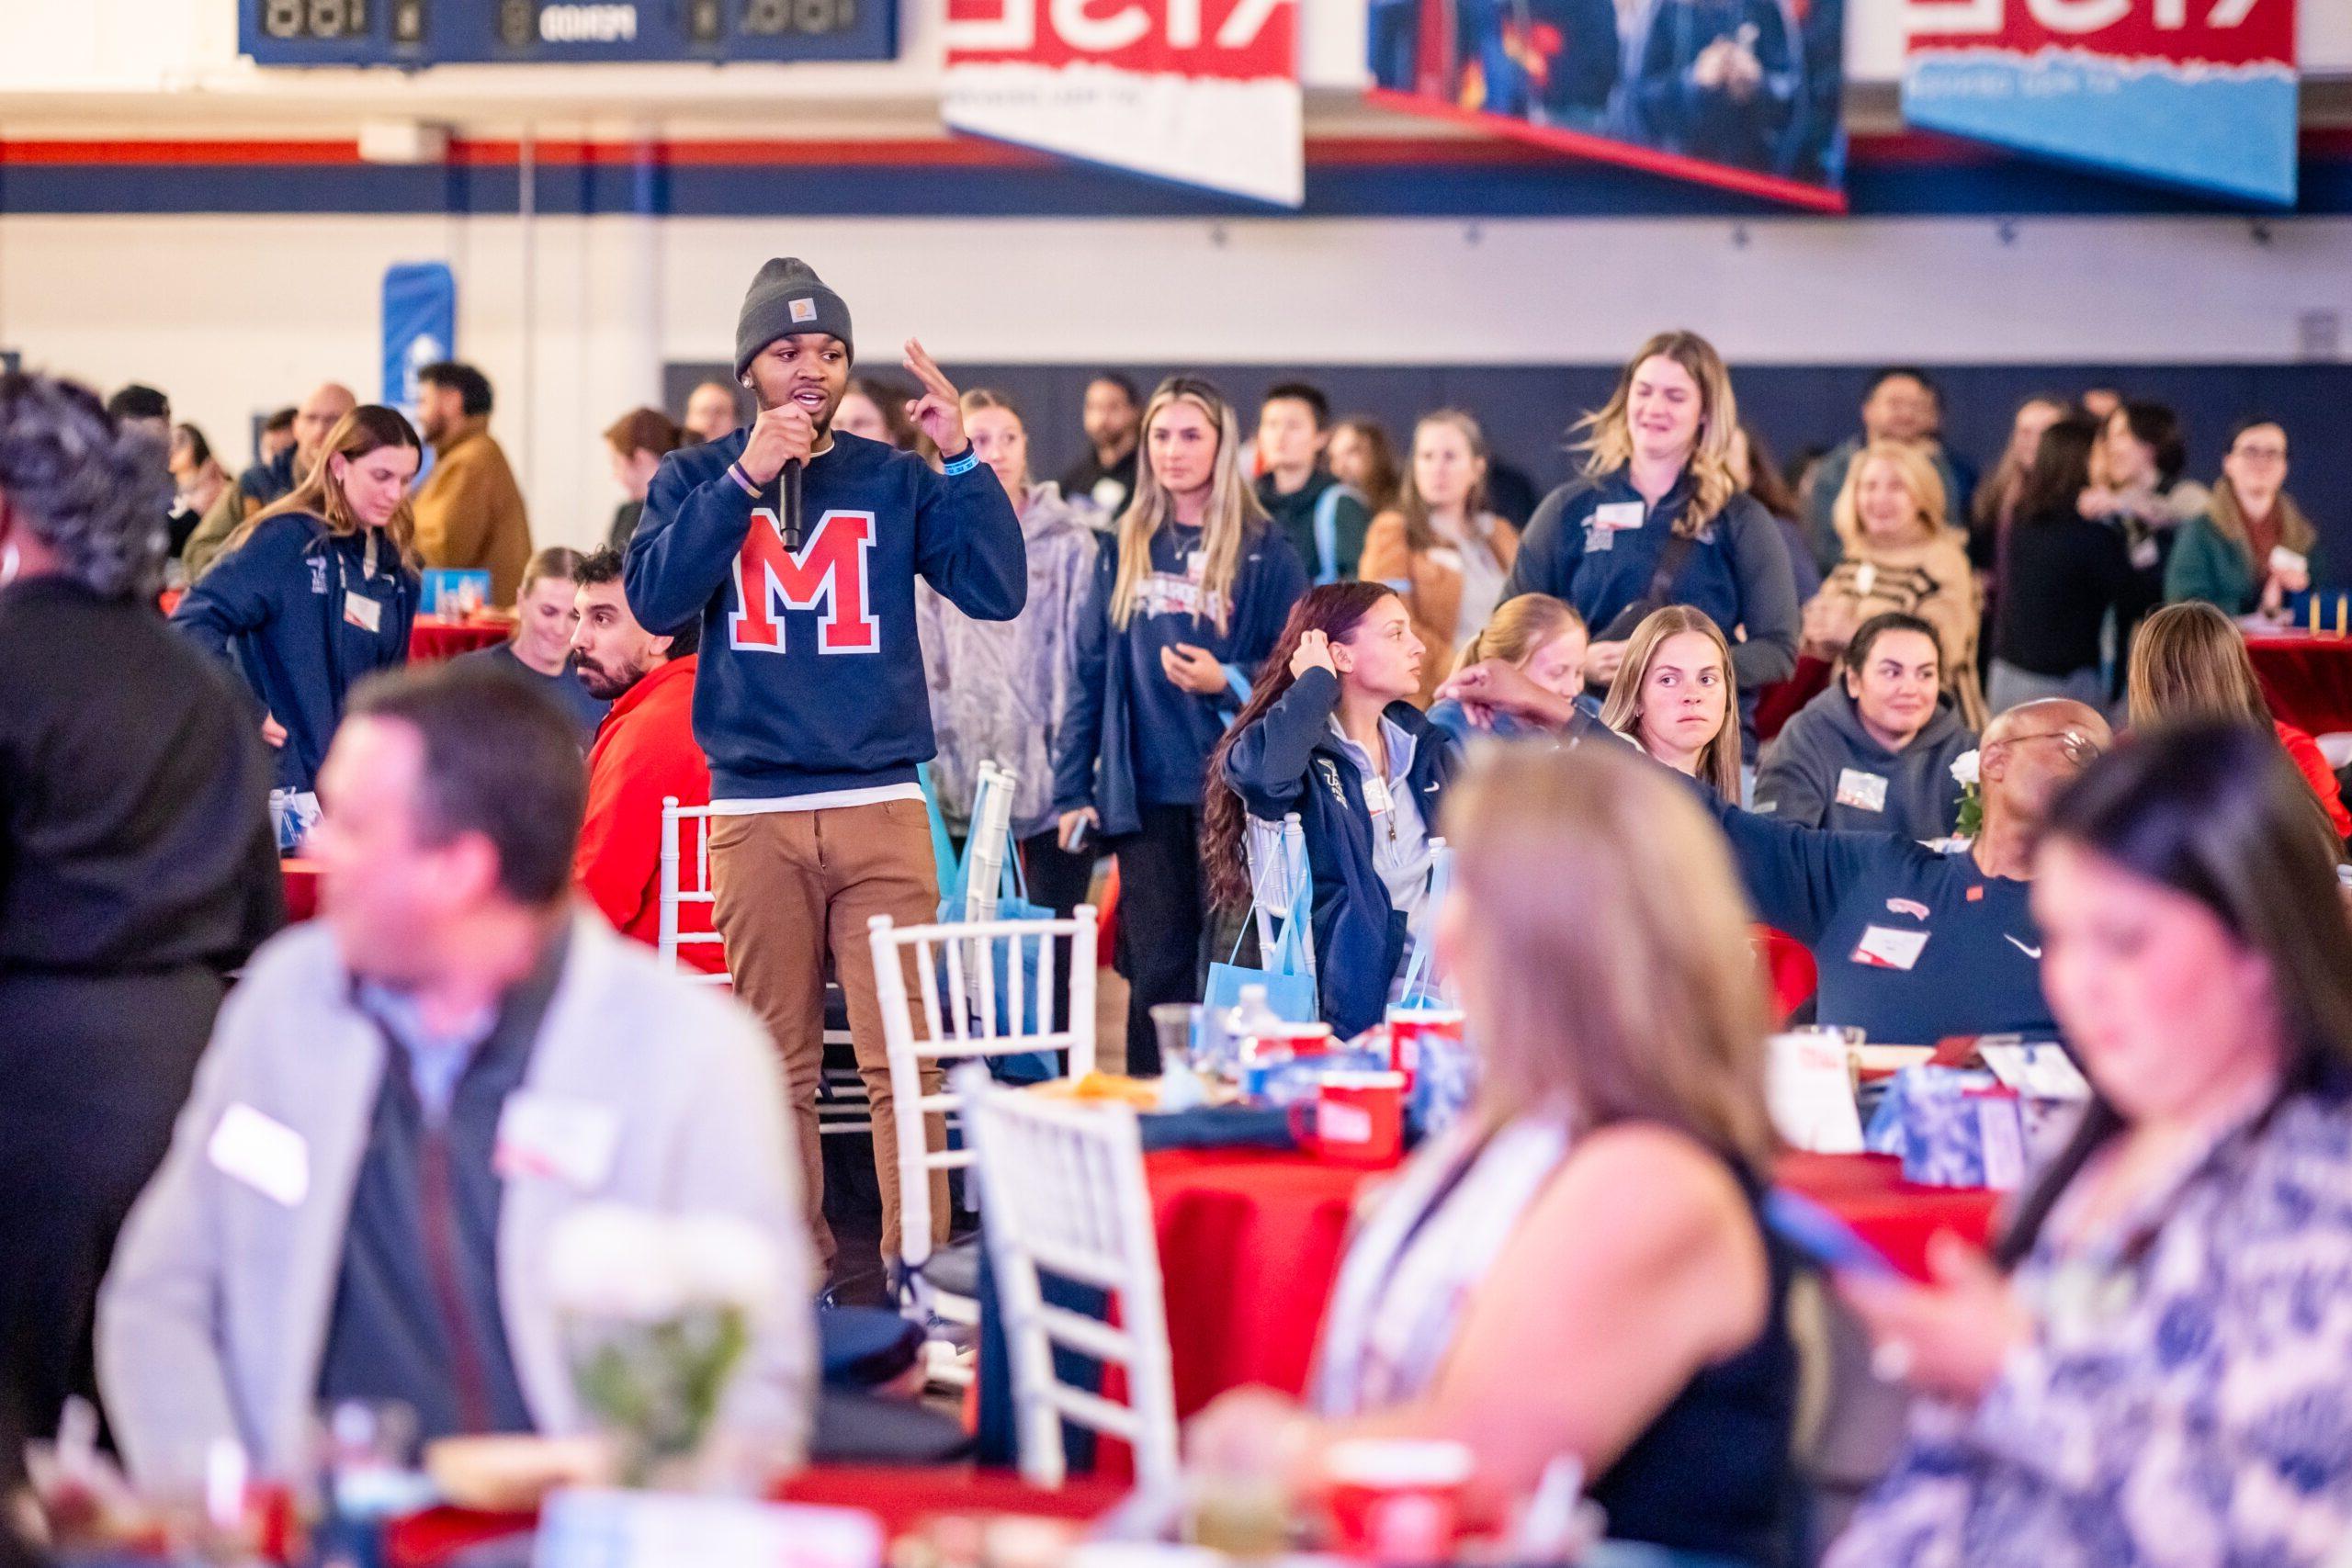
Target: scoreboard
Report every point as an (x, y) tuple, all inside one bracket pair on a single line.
[(434, 32)]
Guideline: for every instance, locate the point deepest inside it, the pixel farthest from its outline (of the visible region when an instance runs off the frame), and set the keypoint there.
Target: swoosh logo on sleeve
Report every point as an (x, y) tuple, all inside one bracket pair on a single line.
[(2032, 952)]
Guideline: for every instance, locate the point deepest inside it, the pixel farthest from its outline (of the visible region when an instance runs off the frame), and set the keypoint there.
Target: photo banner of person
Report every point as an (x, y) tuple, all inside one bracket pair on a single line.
[(2200, 94), (1201, 93), (1744, 95)]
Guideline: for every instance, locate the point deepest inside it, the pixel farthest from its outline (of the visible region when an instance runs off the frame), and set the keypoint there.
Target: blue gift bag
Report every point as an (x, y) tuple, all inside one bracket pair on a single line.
[(1012, 903)]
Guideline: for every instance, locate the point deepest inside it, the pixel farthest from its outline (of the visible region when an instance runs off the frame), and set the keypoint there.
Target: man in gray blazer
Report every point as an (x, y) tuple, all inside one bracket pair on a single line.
[(404, 1099)]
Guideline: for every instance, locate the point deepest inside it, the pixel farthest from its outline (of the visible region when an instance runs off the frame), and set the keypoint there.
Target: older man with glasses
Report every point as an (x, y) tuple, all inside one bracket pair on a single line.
[(1912, 944)]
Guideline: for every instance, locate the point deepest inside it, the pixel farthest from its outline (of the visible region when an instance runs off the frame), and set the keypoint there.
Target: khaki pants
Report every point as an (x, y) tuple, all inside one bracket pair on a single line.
[(790, 885)]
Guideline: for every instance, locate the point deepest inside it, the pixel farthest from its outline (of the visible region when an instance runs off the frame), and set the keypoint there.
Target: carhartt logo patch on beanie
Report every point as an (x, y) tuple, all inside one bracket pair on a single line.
[(788, 297)]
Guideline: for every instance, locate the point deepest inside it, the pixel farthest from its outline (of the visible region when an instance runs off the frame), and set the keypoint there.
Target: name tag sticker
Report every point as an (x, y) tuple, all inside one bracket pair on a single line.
[(572, 1141), (1865, 578), (1598, 538), (1619, 514), (2145, 555), (1865, 792), (262, 1152), (1884, 947), (2284, 560), (366, 613), (1376, 795)]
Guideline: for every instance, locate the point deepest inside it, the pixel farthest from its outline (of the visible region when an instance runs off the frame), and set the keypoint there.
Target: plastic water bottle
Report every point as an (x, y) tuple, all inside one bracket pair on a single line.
[(1246, 1020)]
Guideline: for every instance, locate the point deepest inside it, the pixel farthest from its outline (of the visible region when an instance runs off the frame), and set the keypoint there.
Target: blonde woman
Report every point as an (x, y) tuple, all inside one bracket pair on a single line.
[(1659, 517), (1183, 608), (2252, 548), (1440, 548), (1534, 635), (1900, 556), (318, 590), (1599, 1202), (2189, 663), (1678, 699)]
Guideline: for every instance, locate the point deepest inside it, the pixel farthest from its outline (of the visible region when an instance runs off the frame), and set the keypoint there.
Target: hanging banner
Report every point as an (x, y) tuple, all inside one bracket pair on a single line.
[(1204, 92), (1740, 94), (2195, 93), (420, 325)]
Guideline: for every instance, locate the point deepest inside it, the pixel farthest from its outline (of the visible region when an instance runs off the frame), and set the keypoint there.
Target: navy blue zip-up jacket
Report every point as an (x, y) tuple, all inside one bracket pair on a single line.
[(1134, 737), (1289, 761), (1737, 570), (1912, 945), (811, 672), (279, 610)]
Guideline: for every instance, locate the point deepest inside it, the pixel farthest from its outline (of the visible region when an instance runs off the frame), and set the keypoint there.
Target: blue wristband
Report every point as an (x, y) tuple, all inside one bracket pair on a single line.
[(742, 480), (963, 465)]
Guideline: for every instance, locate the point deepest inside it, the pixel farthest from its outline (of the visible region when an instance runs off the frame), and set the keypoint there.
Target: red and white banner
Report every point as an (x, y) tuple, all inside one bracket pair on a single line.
[(1200, 91), (2198, 93)]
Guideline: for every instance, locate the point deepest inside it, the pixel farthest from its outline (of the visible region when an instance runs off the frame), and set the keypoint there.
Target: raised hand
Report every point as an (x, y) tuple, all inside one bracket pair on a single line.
[(1314, 653), (939, 411)]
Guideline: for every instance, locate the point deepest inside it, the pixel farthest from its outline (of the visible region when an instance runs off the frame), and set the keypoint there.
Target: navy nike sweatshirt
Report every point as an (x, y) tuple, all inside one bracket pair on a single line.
[(811, 675), (1912, 945)]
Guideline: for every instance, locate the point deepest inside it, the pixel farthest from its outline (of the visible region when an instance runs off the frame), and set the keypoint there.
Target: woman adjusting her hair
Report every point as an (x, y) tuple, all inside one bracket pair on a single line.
[(1331, 732), (319, 589), (1195, 589)]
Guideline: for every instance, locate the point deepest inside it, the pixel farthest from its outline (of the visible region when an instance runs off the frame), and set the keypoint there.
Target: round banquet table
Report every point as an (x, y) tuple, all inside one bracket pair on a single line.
[(1251, 1242), (435, 637), (901, 1499), (2307, 679)]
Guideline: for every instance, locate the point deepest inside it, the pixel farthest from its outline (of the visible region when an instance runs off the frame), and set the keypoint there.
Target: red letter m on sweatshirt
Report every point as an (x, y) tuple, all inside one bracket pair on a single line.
[(828, 572)]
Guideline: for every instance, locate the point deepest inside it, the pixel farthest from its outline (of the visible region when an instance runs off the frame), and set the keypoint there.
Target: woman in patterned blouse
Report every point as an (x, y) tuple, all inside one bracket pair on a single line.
[(2155, 1365)]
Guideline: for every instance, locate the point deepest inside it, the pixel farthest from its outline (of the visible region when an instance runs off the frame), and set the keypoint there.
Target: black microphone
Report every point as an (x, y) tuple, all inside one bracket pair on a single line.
[(792, 504)]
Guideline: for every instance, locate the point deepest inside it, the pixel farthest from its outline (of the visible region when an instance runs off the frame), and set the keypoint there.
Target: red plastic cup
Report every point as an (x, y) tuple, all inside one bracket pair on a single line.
[(1396, 1500), (1358, 1119), (1408, 1026)]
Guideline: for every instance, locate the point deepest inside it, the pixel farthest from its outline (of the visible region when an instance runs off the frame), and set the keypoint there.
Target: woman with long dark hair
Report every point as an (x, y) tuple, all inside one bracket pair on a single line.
[(1331, 732), (137, 866), (319, 589), (1196, 584), (2155, 1363), (2061, 575)]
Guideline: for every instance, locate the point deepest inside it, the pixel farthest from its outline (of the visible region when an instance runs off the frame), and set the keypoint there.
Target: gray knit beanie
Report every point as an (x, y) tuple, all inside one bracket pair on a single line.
[(788, 297)]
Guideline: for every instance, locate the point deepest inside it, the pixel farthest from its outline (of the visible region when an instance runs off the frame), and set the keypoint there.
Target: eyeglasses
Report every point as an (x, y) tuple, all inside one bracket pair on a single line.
[(2080, 749), (2259, 454)]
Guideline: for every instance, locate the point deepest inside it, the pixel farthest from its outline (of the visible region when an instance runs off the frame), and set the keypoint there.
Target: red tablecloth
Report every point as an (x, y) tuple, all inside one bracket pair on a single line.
[(901, 1499), (439, 637), (2308, 679), (301, 887), (1869, 1193)]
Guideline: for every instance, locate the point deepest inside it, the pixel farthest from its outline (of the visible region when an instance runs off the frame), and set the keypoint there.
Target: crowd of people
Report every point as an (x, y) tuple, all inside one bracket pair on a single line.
[(350, 1161)]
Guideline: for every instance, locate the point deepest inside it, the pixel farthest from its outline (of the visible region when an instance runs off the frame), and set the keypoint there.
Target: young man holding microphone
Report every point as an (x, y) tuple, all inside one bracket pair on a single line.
[(810, 698)]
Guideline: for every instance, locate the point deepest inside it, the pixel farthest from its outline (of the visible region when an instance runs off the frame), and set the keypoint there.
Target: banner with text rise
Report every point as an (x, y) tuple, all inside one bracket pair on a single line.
[(2193, 93), (1201, 93)]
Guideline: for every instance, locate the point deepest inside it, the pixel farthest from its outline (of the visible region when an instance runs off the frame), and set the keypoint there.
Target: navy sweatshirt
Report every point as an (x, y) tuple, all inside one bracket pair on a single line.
[(1912, 945), (1134, 737), (1737, 570), (1289, 761), (1825, 770), (811, 673), (295, 611)]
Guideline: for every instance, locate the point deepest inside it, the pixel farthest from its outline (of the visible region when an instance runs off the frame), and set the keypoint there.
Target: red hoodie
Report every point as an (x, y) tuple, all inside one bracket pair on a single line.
[(2313, 764), (645, 750)]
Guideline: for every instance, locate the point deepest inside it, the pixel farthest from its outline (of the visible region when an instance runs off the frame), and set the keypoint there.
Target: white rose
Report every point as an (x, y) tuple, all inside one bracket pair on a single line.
[(614, 1261), (1963, 768)]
